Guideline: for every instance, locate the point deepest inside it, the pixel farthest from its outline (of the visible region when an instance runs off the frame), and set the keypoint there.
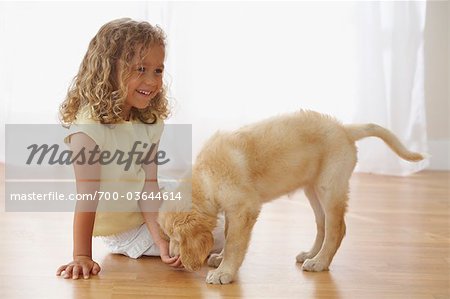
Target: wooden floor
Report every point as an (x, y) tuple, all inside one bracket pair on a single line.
[(397, 246)]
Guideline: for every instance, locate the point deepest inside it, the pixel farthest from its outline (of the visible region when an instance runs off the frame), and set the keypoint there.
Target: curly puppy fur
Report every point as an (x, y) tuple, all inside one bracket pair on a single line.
[(236, 172)]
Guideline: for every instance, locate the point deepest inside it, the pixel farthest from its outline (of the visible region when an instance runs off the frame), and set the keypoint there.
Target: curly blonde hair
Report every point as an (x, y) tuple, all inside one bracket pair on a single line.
[(99, 83)]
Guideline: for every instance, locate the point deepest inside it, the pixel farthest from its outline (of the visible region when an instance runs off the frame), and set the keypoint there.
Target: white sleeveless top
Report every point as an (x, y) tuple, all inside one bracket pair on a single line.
[(118, 180)]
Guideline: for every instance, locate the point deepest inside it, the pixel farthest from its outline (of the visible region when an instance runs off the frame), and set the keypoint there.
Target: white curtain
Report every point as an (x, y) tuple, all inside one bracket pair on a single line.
[(390, 81), (231, 63)]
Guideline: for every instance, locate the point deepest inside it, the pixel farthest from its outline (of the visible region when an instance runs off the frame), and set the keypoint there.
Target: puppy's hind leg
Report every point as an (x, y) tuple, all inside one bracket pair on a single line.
[(332, 189), (320, 224), (334, 205), (240, 225)]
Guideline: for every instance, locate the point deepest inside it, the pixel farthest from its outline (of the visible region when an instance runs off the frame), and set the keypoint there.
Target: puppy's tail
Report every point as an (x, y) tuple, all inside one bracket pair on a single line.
[(357, 132)]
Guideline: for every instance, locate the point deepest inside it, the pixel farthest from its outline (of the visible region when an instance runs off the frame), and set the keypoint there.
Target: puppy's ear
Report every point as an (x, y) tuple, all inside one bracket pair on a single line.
[(195, 247)]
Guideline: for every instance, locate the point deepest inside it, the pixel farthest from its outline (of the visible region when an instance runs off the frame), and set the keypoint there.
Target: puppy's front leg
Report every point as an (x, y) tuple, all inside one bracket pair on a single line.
[(216, 258), (239, 228)]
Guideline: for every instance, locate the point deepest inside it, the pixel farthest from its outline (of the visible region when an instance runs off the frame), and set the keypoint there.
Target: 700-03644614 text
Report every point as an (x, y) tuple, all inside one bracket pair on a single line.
[(98, 195)]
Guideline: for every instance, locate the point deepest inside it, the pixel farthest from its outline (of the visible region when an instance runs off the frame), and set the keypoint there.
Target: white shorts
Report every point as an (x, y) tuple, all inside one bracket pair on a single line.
[(138, 241)]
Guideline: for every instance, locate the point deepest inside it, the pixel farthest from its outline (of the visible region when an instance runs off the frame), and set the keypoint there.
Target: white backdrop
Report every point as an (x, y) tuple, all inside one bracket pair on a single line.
[(231, 63)]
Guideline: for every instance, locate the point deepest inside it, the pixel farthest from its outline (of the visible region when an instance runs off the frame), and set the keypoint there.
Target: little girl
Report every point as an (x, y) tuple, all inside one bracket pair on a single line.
[(116, 100)]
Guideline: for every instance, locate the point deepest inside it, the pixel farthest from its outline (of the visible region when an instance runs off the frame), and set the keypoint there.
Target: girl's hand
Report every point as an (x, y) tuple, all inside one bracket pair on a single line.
[(174, 261), (80, 265)]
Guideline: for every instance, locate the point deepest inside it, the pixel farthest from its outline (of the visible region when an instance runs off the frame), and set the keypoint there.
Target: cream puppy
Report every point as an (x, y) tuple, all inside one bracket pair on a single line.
[(236, 172)]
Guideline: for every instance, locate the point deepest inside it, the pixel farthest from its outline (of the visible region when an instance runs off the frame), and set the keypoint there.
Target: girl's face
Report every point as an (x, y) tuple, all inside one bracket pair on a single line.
[(146, 79)]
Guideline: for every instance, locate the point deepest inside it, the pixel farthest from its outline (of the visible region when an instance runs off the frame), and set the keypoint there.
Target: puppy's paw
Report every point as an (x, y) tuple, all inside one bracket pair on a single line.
[(214, 260), (303, 256), (219, 277), (314, 265)]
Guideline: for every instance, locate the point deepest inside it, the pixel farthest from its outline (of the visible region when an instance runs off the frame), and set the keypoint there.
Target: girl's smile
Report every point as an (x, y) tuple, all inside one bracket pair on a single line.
[(144, 95), (143, 92)]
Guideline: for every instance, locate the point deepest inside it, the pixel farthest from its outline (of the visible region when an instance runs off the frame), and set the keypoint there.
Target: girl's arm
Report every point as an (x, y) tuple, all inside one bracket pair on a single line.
[(88, 182), (150, 208)]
